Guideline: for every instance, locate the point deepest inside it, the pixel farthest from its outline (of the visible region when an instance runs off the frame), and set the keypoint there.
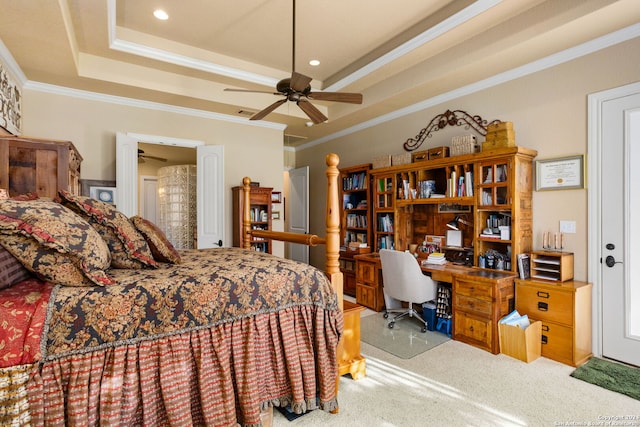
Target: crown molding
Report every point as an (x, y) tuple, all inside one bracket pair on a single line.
[(441, 28), (130, 102), (12, 66)]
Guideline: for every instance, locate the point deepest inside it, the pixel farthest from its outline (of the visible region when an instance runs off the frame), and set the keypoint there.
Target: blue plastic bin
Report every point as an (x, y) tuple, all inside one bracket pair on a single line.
[(429, 314)]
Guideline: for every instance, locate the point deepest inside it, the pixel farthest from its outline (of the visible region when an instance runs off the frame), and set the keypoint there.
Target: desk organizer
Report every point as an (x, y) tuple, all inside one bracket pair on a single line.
[(551, 265)]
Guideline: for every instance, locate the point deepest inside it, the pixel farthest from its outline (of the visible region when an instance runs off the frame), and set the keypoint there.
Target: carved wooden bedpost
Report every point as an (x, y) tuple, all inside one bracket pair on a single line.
[(333, 225), (246, 223)]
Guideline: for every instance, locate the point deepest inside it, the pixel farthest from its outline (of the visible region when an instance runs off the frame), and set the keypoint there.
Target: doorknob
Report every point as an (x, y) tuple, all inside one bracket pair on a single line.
[(611, 261)]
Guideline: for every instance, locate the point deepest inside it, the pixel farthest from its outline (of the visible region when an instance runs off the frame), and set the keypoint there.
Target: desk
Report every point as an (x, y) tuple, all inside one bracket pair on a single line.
[(480, 297)]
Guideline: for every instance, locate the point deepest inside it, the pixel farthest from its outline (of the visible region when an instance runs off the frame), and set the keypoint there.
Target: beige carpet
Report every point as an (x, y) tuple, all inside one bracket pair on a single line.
[(455, 384)]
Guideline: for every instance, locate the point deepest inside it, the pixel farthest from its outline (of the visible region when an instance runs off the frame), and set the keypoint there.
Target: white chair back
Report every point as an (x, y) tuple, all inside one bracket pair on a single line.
[(403, 279)]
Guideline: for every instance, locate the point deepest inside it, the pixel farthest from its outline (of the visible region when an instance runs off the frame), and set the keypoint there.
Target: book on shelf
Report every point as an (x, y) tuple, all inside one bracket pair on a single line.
[(524, 266)]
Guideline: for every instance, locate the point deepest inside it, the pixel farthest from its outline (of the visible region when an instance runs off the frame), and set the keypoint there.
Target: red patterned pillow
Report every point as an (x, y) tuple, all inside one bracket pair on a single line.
[(161, 247), (53, 242), (26, 196), (128, 248), (11, 269)]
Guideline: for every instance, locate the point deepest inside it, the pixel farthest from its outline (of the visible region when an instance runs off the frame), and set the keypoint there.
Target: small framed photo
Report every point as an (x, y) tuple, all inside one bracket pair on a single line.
[(276, 197), (560, 174), (104, 194), (275, 215)]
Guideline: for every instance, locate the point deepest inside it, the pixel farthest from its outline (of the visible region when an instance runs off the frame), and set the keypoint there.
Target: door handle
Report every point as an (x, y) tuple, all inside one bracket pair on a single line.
[(611, 261)]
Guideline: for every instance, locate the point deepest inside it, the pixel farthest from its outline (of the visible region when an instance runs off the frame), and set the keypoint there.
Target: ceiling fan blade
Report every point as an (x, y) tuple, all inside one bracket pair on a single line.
[(261, 114), (352, 98), (161, 159), (299, 82), (252, 91), (314, 114)]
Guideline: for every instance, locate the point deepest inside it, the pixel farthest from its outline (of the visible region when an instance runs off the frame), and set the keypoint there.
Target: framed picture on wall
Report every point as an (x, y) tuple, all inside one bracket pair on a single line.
[(560, 174), (104, 194), (87, 184)]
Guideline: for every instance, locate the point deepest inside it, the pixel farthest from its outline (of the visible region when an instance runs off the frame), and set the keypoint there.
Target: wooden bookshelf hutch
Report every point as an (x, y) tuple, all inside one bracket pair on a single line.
[(355, 221), (485, 190), (260, 199)]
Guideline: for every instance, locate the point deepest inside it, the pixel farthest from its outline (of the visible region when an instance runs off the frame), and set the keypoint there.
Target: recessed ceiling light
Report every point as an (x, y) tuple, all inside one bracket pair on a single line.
[(314, 62), (160, 14)]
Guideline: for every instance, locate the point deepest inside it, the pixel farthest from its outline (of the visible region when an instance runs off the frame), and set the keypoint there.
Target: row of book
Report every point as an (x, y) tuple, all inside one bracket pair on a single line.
[(356, 181), (385, 223), (352, 236), (258, 215), (460, 185), (386, 242), (357, 221)]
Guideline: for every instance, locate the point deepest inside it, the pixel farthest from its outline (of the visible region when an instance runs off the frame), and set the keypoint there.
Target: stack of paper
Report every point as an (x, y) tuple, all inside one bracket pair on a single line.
[(515, 319), (436, 258)]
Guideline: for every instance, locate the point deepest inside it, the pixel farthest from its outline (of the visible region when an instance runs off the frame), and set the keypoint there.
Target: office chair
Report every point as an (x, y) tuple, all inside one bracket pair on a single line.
[(403, 280)]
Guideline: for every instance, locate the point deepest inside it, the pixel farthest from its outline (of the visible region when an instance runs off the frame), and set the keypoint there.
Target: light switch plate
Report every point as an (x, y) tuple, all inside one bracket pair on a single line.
[(568, 227)]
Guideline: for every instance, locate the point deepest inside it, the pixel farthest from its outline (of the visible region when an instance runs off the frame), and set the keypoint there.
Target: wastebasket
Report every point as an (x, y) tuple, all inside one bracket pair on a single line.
[(429, 314)]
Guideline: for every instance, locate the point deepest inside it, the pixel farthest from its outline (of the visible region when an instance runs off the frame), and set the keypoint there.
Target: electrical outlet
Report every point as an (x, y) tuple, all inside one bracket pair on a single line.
[(568, 227)]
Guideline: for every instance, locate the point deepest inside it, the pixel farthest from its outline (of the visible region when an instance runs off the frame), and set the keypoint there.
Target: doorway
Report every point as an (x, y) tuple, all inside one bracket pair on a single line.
[(210, 182), (614, 199), (299, 211)]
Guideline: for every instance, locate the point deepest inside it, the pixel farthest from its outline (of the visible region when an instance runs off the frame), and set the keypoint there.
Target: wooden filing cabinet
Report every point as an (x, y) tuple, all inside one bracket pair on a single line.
[(369, 281), (565, 311), (480, 299)]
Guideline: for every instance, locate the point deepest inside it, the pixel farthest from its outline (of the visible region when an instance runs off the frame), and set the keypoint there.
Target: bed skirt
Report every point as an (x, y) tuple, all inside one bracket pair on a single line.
[(218, 376)]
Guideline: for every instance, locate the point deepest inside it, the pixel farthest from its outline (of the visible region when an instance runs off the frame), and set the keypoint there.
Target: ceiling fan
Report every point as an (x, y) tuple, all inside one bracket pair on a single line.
[(297, 89), (142, 157)]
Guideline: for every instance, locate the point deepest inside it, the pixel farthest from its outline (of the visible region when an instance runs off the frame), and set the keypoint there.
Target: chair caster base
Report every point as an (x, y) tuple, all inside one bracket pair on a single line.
[(391, 325)]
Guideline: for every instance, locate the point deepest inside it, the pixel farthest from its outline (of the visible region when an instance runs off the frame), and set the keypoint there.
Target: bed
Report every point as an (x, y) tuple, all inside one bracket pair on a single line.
[(143, 334)]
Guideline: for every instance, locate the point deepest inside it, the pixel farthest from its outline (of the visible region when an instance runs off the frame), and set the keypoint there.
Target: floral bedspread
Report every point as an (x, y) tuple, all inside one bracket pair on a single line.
[(22, 315), (209, 287)]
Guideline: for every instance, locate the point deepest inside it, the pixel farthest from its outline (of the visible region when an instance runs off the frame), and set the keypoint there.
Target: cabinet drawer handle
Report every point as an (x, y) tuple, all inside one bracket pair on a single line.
[(544, 339), (545, 328), (543, 306), (542, 294)]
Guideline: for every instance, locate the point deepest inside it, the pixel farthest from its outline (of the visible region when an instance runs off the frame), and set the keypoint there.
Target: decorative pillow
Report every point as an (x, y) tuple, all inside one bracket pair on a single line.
[(128, 248), (11, 269), (53, 242), (26, 196), (160, 246)]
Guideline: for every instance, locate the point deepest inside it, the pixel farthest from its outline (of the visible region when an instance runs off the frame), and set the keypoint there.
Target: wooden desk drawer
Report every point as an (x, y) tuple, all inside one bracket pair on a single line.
[(474, 289), (366, 271), (557, 342), (545, 304), (473, 330), (463, 302)]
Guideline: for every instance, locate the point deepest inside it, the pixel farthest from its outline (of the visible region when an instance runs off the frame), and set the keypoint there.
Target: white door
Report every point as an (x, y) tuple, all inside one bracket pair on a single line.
[(210, 198), (149, 198), (619, 241), (299, 211)]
